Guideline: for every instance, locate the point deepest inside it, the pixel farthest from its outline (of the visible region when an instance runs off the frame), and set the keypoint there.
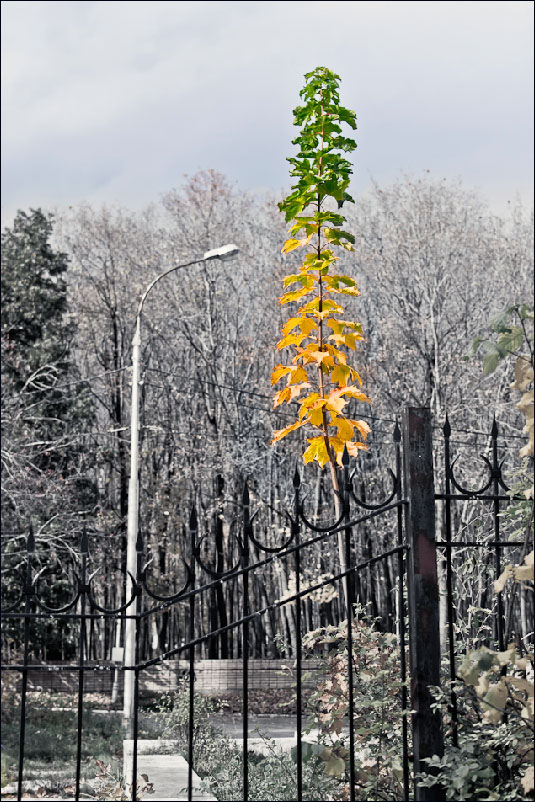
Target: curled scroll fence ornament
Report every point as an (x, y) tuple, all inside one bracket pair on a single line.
[(495, 472)]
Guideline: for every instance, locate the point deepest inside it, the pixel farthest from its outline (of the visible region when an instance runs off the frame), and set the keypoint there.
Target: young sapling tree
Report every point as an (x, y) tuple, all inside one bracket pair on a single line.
[(317, 332)]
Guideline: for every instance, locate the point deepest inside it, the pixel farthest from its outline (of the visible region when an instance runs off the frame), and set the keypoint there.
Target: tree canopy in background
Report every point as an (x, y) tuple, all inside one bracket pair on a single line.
[(433, 265)]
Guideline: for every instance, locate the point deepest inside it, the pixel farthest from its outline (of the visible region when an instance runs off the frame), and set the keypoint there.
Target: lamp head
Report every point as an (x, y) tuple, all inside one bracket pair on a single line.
[(224, 253)]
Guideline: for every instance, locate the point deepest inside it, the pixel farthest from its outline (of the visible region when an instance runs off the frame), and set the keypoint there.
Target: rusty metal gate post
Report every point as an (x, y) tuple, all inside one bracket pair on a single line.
[(423, 597)]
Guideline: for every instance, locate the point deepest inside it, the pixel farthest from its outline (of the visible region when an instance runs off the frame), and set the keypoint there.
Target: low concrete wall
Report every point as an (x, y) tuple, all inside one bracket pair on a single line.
[(212, 677)]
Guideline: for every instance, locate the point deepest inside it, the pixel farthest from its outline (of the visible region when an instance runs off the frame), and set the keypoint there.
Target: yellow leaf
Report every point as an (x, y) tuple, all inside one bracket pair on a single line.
[(495, 698), (295, 295), (340, 374), (311, 354), (334, 352), (338, 444), (527, 450), (523, 373), (278, 435), (525, 404), (482, 685), (283, 395), (506, 574), (336, 325), (354, 448), (322, 454), (315, 416), (316, 450), (336, 403), (301, 278), (521, 684), (307, 324), (298, 374), (291, 324), (287, 394), (297, 389), (290, 339), (518, 573), (507, 657), (335, 766), (328, 307), (309, 454), (290, 245), (337, 338), (278, 372), (308, 402), (528, 710), (352, 392), (362, 427), (345, 429)]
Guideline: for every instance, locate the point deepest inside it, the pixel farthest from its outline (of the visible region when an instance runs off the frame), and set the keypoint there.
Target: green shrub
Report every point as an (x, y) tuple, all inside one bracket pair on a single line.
[(218, 759), (377, 713)]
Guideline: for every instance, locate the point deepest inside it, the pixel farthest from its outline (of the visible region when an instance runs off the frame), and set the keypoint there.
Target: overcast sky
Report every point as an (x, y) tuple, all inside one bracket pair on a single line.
[(116, 101)]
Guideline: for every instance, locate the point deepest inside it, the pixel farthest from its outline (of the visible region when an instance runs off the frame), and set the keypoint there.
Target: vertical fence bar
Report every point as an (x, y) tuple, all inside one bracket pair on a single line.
[(298, 638), (423, 596), (449, 586), (28, 592), (496, 474), (350, 585), (191, 721), (84, 548), (401, 619), (245, 642)]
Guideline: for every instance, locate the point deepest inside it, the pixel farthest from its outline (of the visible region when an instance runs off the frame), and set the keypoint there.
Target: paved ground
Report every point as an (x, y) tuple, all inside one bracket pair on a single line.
[(271, 726), (168, 773)]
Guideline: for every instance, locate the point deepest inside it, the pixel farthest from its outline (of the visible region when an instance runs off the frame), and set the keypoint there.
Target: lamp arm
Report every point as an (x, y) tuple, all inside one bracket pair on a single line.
[(157, 279)]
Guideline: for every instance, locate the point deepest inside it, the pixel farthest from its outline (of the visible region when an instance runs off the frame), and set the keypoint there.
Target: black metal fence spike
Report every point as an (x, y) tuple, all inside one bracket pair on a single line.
[(30, 541), (84, 542), (447, 428), (494, 430), (397, 432), (245, 495), (345, 457), (193, 518), (139, 542), (297, 478)]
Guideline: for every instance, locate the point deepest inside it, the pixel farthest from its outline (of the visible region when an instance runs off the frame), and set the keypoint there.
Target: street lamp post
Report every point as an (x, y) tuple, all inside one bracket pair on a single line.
[(221, 254)]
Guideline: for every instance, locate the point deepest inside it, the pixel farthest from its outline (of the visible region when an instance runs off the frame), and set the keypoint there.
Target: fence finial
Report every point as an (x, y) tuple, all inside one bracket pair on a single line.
[(84, 542), (245, 495), (446, 428), (30, 541), (345, 457), (397, 432), (494, 430), (193, 518), (139, 542), (297, 478)]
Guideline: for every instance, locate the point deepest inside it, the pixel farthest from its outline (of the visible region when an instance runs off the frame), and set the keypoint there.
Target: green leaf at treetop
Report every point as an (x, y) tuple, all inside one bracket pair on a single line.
[(490, 362)]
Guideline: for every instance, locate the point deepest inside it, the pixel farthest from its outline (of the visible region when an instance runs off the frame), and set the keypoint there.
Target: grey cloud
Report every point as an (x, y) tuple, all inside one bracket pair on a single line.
[(111, 101)]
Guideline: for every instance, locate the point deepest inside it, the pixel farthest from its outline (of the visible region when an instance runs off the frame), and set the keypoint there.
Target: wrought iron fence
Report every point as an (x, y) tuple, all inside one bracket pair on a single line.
[(410, 559)]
